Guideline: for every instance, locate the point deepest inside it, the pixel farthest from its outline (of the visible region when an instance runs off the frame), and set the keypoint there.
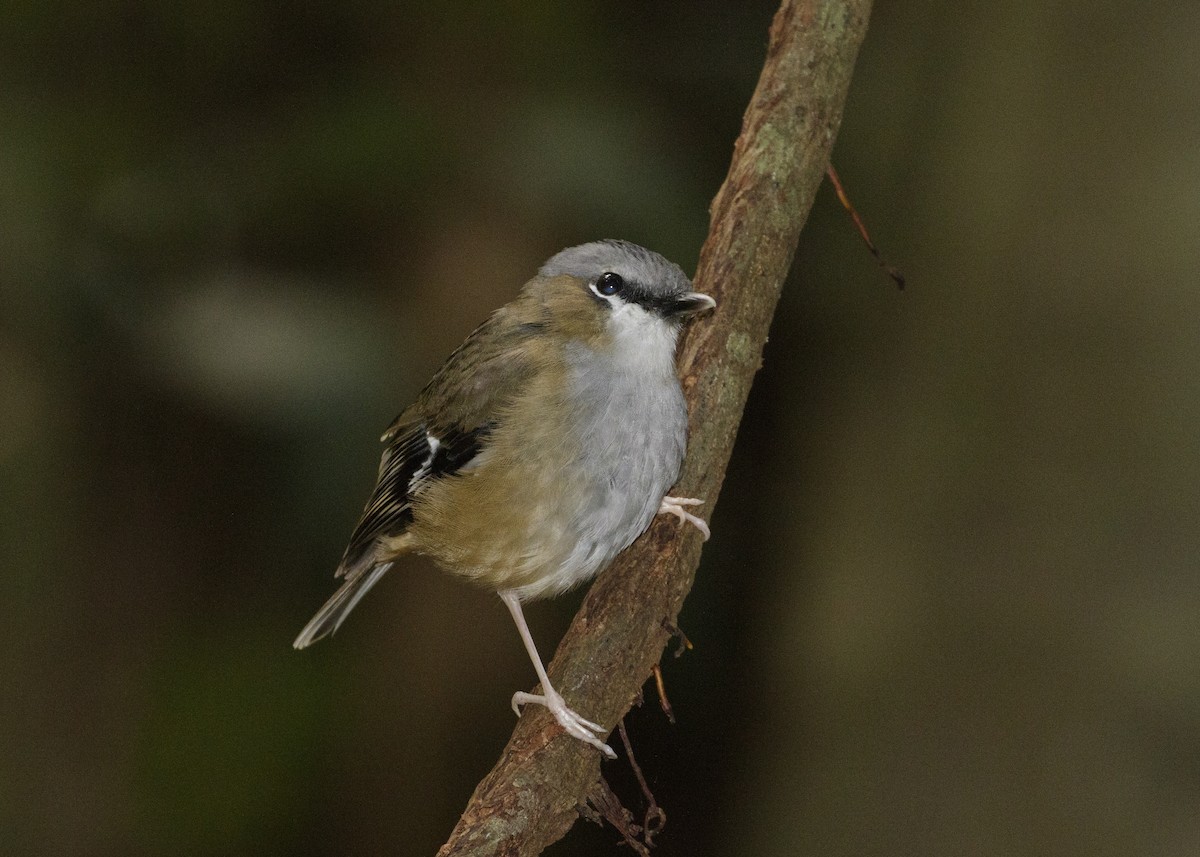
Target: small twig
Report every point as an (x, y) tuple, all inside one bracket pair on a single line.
[(606, 803), (662, 695), (655, 819), (685, 645), (891, 270)]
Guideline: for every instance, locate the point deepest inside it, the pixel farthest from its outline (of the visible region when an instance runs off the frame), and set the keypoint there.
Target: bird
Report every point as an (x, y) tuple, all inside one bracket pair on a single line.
[(542, 447)]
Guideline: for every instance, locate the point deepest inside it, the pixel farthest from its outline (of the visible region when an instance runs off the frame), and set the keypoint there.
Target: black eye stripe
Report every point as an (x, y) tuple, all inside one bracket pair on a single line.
[(658, 304), (609, 285)]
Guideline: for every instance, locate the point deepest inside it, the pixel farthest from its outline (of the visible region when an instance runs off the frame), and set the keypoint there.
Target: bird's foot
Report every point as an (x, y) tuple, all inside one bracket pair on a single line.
[(674, 506), (575, 726)]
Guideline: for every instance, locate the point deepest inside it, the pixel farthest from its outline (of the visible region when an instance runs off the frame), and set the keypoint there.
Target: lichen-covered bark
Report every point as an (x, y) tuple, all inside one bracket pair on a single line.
[(530, 798)]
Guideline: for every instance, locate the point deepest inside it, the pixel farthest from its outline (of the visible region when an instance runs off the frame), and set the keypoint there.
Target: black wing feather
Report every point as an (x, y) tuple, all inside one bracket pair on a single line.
[(439, 436), (414, 456), (456, 411)]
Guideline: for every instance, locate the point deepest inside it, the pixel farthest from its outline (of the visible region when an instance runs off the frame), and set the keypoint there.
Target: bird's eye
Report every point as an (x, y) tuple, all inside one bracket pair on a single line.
[(609, 284)]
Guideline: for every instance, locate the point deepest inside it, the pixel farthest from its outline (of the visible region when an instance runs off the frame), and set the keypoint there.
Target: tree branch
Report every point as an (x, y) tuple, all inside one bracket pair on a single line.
[(531, 798)]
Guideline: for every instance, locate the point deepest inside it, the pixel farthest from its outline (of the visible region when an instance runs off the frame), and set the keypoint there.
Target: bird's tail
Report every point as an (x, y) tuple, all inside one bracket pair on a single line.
[(330, 617)]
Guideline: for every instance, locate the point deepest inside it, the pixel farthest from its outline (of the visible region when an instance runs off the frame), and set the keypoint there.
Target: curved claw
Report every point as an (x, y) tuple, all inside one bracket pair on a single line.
[(674, 506), (574, 725)]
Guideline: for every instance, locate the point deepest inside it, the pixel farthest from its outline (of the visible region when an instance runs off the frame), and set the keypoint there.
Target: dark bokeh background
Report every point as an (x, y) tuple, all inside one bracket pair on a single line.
[(951, 602)]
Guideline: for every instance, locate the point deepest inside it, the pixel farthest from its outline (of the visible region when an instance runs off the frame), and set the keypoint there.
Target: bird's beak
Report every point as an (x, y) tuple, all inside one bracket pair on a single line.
[(690, 303)]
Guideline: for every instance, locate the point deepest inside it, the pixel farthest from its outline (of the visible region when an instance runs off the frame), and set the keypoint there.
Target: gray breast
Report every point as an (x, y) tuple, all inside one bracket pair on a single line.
[(633, 430)]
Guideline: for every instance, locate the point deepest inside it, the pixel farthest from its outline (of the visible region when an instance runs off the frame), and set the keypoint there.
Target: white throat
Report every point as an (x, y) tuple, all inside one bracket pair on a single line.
[(642, 341)]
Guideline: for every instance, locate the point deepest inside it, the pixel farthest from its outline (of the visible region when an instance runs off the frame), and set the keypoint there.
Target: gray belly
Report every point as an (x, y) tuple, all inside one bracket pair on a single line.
[(633, 432)]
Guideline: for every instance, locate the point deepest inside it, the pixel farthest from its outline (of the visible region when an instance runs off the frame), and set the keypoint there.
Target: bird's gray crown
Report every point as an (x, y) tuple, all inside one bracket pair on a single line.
[(653, 275)]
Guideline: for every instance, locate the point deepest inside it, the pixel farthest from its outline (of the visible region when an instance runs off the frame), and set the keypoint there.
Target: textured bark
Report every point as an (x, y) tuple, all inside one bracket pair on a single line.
[(533, 794)]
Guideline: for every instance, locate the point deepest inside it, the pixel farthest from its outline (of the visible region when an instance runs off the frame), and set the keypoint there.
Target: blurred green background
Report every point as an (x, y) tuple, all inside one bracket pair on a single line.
[(950, 606)]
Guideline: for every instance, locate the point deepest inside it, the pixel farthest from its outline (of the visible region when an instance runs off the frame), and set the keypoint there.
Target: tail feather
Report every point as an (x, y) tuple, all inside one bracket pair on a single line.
[(330, 617)]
